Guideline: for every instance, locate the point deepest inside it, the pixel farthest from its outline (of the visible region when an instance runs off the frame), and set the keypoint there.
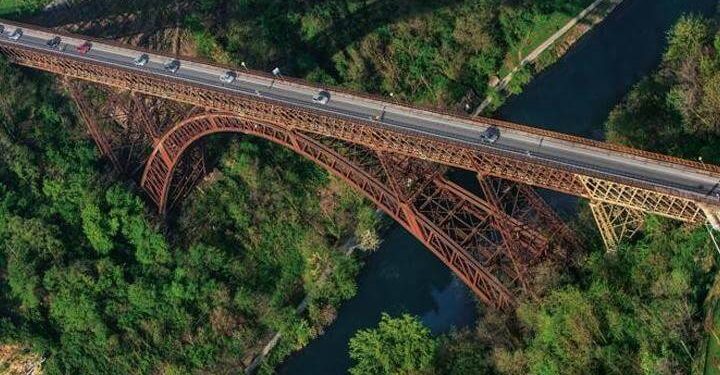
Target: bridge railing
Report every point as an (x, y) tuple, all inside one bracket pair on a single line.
[(402, 106)]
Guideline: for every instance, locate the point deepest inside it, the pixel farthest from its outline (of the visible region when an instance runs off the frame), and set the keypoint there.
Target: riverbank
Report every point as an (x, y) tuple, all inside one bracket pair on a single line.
[(543, 55), (575, 96), (350, 246)]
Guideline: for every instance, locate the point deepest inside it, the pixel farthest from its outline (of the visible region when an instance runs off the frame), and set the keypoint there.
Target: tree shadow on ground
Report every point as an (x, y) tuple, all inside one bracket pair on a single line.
[(354, 26), (108, 18), (279, 26)]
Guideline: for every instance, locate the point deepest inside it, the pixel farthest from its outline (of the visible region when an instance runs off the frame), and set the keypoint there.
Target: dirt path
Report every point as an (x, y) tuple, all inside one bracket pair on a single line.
[(502, 85)]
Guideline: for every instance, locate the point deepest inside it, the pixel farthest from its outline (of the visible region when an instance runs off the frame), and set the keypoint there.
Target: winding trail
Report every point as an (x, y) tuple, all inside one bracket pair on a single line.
[(502, 85)]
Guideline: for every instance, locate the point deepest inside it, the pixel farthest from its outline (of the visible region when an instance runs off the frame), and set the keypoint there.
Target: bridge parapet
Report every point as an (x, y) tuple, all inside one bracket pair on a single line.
[(516, 166), (462, 231)]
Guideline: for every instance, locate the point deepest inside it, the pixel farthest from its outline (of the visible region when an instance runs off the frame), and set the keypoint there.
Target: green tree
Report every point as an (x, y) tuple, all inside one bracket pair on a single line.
[(397, 346), (687, 38)]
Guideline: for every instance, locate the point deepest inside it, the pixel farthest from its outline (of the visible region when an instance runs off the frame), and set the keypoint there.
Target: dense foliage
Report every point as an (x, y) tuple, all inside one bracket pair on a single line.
[(12, 7), (91, 281), (636, 311), (436, 52), (397, 346), (639, 310), (677, 110)]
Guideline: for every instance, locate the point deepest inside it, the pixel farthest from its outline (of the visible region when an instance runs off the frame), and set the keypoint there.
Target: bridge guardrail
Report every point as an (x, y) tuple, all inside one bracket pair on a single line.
[(709, 169), (513, 154)]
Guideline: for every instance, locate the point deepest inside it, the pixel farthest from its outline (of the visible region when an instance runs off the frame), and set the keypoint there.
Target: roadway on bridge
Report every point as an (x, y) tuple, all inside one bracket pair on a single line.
[(395, 116)]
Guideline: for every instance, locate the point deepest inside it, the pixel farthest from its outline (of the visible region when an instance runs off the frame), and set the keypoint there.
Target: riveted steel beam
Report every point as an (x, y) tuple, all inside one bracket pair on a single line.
[(519, 168)]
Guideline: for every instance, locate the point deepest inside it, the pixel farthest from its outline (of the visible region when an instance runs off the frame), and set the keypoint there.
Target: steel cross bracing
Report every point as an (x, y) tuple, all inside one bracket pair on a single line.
[(487, 246), (616, 223), (577, 181), (491, 243)]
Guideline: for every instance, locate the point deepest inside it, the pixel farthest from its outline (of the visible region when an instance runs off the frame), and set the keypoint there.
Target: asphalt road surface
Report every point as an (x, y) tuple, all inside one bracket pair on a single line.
[(391, 115)]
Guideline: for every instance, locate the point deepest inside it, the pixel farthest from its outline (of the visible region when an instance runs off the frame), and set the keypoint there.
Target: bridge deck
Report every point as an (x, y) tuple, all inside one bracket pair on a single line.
[(651, 171)]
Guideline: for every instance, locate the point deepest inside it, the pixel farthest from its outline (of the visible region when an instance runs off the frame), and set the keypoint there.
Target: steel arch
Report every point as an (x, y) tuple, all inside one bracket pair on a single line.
[(488, 249)]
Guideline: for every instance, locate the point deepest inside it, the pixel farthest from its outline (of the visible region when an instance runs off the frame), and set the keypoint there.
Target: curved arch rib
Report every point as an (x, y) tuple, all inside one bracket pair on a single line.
[(467, 234)]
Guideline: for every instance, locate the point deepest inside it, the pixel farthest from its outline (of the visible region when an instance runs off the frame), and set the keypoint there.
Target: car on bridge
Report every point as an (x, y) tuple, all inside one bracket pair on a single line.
[(490, 135), (17, 34), (228, 77), (172, 66), (54, 43), (322, 97), (84, 48), (141, 60)]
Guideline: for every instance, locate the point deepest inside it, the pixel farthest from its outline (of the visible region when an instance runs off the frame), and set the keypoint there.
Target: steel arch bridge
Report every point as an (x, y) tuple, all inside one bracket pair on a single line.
[(147, 120)]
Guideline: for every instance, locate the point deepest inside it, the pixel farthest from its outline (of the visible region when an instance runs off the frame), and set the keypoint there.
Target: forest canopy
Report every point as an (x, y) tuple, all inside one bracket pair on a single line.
[(96, 284), (651, 306)]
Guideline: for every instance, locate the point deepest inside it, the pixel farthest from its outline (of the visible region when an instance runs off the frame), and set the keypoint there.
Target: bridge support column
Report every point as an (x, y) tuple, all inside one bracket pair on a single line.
[(86, 113), (712, 215), (616, 223)]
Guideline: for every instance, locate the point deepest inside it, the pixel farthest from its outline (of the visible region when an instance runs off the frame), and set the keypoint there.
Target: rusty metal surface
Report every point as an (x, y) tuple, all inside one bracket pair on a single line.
[(491, 243), (486, 161), (477, 119), (489, 250)]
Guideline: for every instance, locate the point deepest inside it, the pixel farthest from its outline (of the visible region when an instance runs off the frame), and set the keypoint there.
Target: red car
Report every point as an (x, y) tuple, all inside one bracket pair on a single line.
[(84, 48)]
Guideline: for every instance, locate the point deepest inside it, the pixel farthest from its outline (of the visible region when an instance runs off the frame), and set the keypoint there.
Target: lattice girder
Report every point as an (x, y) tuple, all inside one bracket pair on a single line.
[(124, 125), (462, 230), (522, 203), (519, 168), (616, 223)]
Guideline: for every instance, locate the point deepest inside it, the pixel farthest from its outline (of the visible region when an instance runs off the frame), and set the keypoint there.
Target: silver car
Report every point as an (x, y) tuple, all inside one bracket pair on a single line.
[(172, 66), (16, 34), (54, 43), (490, 135), (228, 77), (322, 97), (141, 60)]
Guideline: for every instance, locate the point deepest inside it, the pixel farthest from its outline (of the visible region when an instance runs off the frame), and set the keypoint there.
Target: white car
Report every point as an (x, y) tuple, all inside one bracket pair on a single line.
[(141, 60), (322, 97), (172, 66), (16, 34), (490, 135), (228, 77)]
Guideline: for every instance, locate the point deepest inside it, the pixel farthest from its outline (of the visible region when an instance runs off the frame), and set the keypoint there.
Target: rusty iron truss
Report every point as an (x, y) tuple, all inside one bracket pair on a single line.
[(491, 248), (616, 223), (519, 168), (490, 241)]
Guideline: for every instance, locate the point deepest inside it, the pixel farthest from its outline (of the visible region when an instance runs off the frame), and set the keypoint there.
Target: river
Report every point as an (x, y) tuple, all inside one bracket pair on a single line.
[(573, 96)]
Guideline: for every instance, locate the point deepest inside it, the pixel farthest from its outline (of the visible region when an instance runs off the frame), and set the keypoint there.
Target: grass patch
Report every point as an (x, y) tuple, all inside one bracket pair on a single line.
[(16, 7), (544, 26), (712, 354)]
